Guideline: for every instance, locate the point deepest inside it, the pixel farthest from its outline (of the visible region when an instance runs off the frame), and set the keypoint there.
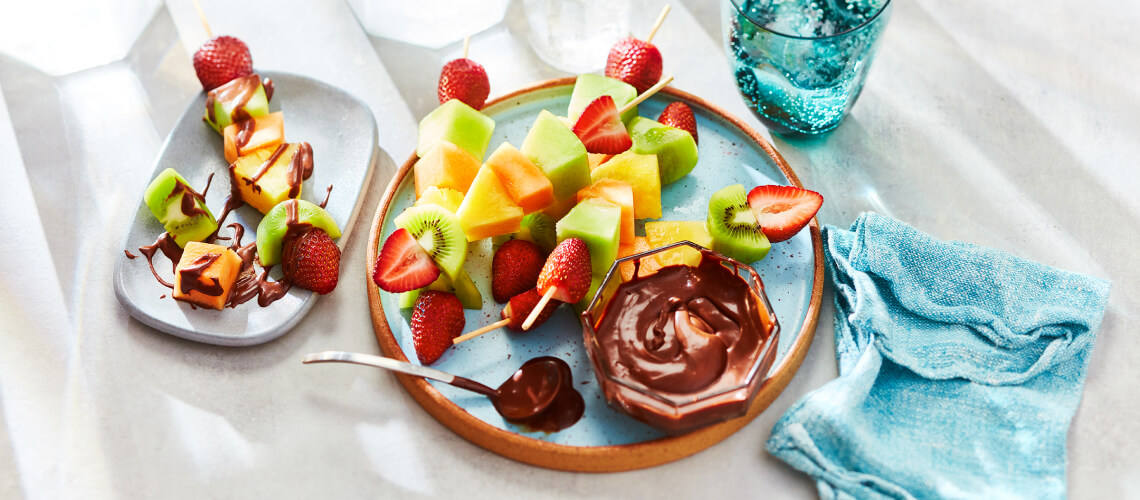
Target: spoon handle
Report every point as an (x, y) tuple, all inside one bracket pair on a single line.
[(379, 362)]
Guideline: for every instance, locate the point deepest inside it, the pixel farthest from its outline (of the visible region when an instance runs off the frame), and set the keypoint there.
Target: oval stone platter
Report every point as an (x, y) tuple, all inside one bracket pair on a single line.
[(341, 130), (605, 439)]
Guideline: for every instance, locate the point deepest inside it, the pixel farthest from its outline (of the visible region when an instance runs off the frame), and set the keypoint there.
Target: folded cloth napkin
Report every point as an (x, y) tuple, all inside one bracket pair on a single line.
[(960, 368)]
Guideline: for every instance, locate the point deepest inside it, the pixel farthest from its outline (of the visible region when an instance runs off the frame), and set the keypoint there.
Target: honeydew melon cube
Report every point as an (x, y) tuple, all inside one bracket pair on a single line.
[(598, 223), (239, 99), (675, 148), (590, 86), (559, 153), (459, 124)]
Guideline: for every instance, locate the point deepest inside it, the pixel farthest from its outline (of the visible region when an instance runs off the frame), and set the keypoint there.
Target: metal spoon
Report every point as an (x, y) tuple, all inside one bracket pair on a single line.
[(528, 392)]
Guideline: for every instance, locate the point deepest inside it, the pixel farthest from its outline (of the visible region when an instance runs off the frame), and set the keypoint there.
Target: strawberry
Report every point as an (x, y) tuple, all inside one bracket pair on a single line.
[(783, 210), (403, 265), (515, 268), (679, 115), (465, 80), (567, 270), (220, 60), (311, 260), (520, 307), (634, 62), (600, 128), (436, 319)]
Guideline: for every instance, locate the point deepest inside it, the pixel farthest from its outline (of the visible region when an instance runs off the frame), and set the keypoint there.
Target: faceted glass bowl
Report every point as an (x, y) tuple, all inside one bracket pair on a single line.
[(677, 413)]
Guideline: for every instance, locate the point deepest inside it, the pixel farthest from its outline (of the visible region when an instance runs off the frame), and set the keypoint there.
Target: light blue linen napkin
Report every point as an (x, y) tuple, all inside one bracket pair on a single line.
[(960, 370)]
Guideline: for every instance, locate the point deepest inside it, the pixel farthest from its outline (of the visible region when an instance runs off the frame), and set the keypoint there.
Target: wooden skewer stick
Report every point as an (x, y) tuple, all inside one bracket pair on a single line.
[(660, 19), (475, 333), (466, 45), (538, 309), (645, 95), (202, 17)]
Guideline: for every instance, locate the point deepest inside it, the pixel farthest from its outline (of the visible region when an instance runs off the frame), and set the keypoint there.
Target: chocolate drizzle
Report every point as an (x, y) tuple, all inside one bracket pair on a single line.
[(190, 277), (193, 203), (244, 133), (267, 83), (264, 169), (327, 193), (300, 168), (237, 93), (169, 248)]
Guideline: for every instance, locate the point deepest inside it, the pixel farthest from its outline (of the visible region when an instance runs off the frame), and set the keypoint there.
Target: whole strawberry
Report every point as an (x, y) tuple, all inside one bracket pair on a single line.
[(220, 60), (311, 260), (567, 271), (515, 268), (634, 62), (436, 319), (465, 80), (679, 115), (520, 307)]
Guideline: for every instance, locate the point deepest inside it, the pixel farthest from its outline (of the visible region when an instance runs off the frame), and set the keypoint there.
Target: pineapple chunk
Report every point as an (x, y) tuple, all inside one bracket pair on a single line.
[(487, 209), (269, 176)]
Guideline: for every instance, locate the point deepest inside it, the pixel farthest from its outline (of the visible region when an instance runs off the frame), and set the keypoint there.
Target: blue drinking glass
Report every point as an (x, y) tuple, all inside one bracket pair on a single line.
[(800, 64)]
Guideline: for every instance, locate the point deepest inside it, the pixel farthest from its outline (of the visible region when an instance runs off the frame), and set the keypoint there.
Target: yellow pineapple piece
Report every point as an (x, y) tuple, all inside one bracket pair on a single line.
[(661, 233), (445, 197), (267, 176), (639, 171), (487, 209)]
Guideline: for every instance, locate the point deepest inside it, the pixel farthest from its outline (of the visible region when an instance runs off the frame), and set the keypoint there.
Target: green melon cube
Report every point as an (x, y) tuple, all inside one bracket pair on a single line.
[(237, 100), (675, 149), (459, 124), (558, 152), (598, 223), (590, 86)]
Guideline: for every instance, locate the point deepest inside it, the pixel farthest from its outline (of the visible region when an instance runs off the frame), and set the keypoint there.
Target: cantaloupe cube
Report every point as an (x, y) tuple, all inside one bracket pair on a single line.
[(596, 159), (206, 274), (648, 265), (267, 177), (560, 208), (487, 209), (640, 171), (661, 233), (445, 166), (619, 193), (255, 133), (525, 182)]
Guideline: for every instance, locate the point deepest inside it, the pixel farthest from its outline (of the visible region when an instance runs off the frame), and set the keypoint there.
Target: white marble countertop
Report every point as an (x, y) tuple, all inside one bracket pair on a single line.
[(1011, 125)]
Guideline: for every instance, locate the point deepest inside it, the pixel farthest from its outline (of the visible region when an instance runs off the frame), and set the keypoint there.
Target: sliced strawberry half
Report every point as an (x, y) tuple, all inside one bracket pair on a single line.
[(600, 128), (783, 211), (403, 265)]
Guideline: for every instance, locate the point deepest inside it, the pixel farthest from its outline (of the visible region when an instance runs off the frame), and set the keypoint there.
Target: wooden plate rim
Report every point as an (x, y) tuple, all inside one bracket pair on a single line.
[(593, 458)]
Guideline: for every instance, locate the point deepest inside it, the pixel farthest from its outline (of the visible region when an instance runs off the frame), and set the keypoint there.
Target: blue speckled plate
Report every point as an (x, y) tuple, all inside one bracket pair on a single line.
[(342, 132), (605, 439)]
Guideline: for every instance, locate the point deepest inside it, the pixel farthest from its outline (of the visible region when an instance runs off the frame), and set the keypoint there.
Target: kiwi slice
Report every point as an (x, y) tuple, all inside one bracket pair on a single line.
[(463, 288), (537, 228), (733, 227), (437, 230)]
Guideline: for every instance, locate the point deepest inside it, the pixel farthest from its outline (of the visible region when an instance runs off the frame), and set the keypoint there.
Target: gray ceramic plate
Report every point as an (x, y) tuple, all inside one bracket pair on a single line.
[(342, 132)]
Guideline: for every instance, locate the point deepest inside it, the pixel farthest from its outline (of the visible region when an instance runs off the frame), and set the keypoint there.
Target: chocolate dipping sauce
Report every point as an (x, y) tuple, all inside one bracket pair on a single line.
[(676, 348)]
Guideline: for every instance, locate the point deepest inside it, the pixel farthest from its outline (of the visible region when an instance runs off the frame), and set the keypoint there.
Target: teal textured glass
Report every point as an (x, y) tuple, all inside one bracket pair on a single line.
[(800, 64)]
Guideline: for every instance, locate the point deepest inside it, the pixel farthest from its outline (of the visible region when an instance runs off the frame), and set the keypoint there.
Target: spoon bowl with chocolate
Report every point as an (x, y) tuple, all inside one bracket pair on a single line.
[(540, 395)]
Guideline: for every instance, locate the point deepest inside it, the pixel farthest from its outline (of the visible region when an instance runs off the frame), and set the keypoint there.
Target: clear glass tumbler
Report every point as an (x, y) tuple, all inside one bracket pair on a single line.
[(576, 35), (800, 64)]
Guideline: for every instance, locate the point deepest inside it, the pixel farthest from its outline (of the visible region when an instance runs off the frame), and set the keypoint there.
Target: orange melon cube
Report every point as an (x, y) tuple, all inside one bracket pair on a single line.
[(487, 209), (560, 208), (619, 193), (241, 138), (525, 182), (205, 274), (648, 265), (445, 165), (596, 159)]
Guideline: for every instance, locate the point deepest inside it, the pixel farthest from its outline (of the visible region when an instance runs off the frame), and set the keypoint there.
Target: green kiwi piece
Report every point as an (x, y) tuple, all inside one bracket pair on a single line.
[(437, 230), (537, 228), (733, 227), (274, 226), (464, 288)]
